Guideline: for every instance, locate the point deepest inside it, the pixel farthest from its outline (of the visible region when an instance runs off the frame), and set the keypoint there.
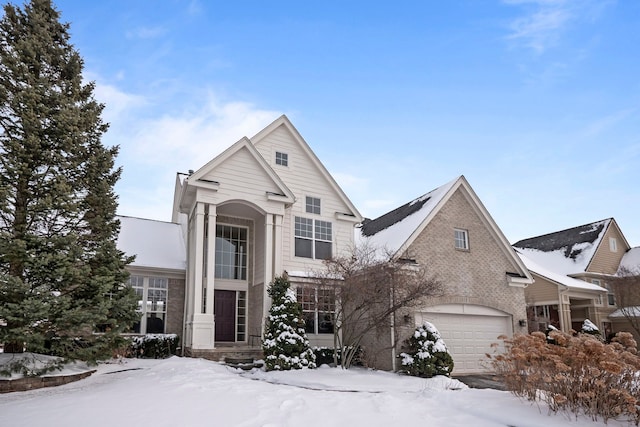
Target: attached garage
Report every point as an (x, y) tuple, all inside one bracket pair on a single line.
[(468, 331)]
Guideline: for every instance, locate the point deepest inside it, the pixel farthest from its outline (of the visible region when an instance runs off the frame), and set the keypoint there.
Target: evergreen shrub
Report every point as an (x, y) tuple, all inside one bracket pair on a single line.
[(426, 354), (154, 346), (285, 344)]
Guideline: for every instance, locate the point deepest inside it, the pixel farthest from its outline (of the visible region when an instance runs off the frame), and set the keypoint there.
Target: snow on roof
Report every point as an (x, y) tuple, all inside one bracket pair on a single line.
[(567, 281), (155, 243), (391, 230), (566, 251), (626, 312), (631, 260)]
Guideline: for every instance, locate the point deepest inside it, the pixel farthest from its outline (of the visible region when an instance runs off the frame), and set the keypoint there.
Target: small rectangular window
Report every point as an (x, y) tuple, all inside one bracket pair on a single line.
[(613, 244), (282, 159), (461, 239), (312, 205)]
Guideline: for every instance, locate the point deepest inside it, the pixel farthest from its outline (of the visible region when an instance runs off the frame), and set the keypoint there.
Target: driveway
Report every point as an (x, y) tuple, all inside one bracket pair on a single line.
[(482, 381)]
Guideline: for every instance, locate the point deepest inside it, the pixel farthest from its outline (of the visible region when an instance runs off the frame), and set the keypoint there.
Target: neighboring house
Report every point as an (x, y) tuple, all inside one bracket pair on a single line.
[(591, 253), (630, 265), (449, 232), (273, 207)]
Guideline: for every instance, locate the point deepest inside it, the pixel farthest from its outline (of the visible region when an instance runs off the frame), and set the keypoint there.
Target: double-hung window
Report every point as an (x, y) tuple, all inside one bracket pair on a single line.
[(318, 308), (313, 238), (461, 239)]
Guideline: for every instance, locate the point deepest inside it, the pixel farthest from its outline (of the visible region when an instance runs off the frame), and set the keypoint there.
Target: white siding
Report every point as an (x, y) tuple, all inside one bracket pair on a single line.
[(303, 178), (242, 177)]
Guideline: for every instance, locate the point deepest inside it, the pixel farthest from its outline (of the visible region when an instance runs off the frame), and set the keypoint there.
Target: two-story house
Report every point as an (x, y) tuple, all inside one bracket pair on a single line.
[(263, 206), (571, 268)]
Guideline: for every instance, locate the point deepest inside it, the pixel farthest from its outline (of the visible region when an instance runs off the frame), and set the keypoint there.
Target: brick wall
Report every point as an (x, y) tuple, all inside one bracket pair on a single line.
[(175, 307)]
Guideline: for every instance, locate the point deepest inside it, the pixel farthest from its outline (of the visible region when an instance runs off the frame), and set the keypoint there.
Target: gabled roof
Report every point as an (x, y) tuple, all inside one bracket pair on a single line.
[(559, 279), (392, 230), (197, 179), (283, 120), (395, 231), (156, 244), (567, 251)]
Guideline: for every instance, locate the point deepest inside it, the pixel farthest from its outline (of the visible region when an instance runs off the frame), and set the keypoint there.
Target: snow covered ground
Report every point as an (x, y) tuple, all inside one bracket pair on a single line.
[(194, 392)]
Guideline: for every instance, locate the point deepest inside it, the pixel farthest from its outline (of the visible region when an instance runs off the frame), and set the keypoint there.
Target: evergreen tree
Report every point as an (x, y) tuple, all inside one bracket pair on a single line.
[(285, 343), (61, 274), (426, 354)]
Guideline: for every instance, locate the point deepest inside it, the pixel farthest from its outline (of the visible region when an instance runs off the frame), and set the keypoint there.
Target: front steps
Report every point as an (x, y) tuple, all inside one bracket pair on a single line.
[(243, 357)]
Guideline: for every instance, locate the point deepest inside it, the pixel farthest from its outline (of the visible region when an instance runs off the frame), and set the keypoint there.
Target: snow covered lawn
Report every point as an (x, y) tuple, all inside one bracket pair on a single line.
[(194, 392)]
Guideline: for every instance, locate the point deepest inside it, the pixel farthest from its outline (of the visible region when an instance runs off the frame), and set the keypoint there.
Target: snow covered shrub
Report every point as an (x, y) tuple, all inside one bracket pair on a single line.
[(154, 346), (426, 354), (589, 328), (579, 374), (325, 356), (285, 344)]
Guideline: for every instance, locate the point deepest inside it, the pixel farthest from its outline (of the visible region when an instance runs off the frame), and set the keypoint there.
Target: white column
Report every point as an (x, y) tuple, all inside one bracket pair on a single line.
[(203, 323), (211, 258), (199, 258), (268, 264), (277, 244)]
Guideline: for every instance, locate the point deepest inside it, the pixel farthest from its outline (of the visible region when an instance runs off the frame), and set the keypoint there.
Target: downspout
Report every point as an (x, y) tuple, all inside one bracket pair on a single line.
[(393, 329), (184, 318)]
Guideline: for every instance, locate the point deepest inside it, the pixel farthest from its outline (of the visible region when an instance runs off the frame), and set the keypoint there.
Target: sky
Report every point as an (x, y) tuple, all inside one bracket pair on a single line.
[(196, 392), (535, 102)]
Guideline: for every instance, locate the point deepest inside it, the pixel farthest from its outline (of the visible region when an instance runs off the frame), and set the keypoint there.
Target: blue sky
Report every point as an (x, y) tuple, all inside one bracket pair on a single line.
[(536, 102)]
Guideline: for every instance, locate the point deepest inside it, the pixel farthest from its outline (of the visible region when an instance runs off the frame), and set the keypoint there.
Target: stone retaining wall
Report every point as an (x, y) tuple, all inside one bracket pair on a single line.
[(32, 383)]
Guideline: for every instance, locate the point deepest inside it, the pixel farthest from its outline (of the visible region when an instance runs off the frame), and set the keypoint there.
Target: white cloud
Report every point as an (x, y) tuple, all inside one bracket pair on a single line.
[(540, 29), (191, 139), (117, 103), (146, 32), (605, 123), (545, 20), (154, 149)]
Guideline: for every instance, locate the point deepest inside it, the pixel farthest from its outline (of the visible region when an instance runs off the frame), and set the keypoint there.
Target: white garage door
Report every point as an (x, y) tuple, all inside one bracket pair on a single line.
[(469, 337)]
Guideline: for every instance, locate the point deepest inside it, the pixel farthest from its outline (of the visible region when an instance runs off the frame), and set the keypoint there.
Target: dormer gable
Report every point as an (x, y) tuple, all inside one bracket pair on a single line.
[(239, 171)]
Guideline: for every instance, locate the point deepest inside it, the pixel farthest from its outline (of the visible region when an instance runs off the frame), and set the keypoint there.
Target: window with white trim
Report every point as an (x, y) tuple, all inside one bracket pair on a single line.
[(231, 252), (318, 308), (152, 303), (613, 244), (611, 297), (312, 205), (461, 239), (282, 159), (313, 238)]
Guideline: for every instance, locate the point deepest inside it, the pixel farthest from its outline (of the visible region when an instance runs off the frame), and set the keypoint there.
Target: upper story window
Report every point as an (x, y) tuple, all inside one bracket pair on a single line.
[(231, 252), (461, 239), (313, 238), (312, 205), (613, 244), (282, 159)]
